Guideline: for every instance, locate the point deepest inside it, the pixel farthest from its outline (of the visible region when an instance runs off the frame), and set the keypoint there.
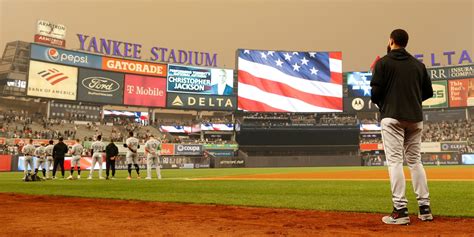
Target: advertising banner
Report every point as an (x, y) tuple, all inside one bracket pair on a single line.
[(48, 40), (184, 162), (430, 147), (221, 153), (217, 127), (201, 102), (221, 146), (198, 80), (15, 83), (52, 81), (38, 142), (100, 86), (440, 159), (134, 67), (461, 92), (67, 57), (167, 149), (184, 149), (371, 146), (456, 72), (175, 129), (467, 159), (229, 162), (5, 162), (453, 146), (359, 104), (370, 127), (445, 115), (145, 91), (440, 96), (50, 29)]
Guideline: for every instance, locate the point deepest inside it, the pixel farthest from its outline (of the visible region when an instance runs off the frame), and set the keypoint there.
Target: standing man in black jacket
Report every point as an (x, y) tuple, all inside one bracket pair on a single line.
[(400, 84), (111, 152), (59, 151)]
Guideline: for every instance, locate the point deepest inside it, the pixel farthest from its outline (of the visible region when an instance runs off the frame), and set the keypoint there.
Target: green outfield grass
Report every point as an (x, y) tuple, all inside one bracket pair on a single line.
[(449, 198)]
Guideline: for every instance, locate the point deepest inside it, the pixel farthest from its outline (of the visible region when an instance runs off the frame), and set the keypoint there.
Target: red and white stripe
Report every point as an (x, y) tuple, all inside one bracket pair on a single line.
[(266, 89)]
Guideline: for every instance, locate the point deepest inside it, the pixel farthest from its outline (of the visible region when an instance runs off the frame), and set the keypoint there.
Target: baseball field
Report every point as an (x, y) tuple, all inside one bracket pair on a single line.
[(234, 202)]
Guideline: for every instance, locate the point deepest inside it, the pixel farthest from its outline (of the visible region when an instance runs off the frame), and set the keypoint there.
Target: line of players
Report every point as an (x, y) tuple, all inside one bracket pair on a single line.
[(46, 155)]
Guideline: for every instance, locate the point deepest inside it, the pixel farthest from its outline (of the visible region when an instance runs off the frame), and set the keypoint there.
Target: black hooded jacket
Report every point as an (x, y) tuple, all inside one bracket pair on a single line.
[(400, 83)]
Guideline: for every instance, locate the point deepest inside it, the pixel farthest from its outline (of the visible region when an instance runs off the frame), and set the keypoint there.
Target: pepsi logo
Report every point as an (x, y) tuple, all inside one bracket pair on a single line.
[(52, 54)]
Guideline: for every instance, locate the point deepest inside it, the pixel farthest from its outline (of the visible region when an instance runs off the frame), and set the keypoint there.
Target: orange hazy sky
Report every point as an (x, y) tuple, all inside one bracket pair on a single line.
[(357, 28)]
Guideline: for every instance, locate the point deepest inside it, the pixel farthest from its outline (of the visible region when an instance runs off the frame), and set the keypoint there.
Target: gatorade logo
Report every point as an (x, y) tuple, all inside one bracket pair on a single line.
[(357, 104), (177, 101)]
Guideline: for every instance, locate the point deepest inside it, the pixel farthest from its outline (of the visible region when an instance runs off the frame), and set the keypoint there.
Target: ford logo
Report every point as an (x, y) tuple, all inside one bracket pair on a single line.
[(100, 84)]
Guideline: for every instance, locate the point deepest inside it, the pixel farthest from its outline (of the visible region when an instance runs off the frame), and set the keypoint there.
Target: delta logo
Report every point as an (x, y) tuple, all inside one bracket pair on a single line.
[(53, 76)]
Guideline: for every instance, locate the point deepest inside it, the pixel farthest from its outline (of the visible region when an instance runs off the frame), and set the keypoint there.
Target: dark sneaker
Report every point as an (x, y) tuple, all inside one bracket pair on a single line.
[(398, 217), (425, 213)]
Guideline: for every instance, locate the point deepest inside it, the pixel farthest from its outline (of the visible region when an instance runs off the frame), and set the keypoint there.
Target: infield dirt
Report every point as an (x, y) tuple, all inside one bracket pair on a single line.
[(27, 215)]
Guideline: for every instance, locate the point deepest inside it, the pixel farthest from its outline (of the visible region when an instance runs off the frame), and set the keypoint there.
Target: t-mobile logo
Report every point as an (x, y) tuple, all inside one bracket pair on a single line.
[(130, 89)]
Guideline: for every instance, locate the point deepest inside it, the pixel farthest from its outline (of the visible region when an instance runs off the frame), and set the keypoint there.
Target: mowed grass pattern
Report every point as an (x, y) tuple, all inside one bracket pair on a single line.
[(449, 198)]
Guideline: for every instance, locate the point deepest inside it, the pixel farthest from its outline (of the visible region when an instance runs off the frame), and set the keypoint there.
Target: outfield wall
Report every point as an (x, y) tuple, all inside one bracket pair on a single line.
[(301, 161)]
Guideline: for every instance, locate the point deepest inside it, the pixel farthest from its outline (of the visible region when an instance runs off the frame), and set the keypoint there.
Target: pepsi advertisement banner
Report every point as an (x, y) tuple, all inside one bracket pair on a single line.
[(358, 83), (198, 80), (100, 86), (66, 57)]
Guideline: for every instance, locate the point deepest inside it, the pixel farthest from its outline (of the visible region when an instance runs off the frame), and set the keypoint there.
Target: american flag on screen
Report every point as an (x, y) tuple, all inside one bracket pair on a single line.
[(277, 81)]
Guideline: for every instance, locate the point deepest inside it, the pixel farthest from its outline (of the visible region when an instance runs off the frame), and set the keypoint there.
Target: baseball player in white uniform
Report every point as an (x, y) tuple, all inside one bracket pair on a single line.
[(28, 150), (49, 157), (132, 154), (76, 152), (152, 150), (40, 154), (98, 149)]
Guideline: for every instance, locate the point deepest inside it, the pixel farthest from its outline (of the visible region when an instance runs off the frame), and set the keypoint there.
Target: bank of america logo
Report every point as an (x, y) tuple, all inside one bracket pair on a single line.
[(53, 76)]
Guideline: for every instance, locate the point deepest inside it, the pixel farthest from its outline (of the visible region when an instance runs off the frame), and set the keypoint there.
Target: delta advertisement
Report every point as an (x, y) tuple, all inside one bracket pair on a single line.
[(52, 81), (440, 96), (67, 57), (209, 81), (100, 86), (201, 102), (145, 91), (461, 92)]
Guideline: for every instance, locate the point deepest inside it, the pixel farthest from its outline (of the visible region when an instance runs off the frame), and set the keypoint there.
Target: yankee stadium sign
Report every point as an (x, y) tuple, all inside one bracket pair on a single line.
[(158, 54)]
